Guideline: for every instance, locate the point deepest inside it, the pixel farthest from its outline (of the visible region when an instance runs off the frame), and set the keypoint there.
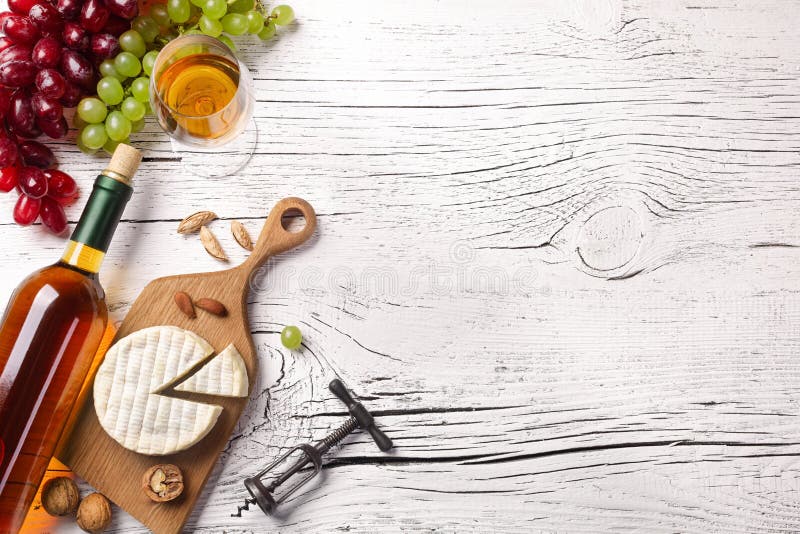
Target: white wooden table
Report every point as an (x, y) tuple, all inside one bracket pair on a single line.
[(557, 255)]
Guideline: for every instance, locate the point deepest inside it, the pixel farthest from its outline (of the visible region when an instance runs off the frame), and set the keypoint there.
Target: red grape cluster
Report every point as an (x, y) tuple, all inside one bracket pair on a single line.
[(43, 190), (49, 57)]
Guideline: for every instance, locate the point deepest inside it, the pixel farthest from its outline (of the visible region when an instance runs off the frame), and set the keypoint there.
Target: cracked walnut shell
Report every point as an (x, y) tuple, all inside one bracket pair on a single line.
[(162, 482)]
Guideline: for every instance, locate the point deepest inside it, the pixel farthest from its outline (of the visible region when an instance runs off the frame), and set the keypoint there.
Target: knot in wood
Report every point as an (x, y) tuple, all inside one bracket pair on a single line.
[(609, 241)]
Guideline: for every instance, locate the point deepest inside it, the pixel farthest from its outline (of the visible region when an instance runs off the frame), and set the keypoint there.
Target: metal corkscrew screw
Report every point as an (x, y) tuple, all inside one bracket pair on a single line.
[(309, 455)]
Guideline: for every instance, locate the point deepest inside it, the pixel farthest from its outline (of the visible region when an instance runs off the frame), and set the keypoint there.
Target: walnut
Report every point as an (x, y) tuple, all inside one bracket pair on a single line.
[(94, 513), (60, 496), (163, 482)]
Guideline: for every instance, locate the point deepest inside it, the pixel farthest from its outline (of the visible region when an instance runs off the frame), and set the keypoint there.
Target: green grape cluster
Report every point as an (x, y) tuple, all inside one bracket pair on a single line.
[(123, 97), (223, 19), (123, 92)]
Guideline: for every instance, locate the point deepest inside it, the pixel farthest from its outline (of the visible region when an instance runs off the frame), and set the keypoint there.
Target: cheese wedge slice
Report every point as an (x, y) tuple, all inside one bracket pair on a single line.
[(126, 388), (225, 375)]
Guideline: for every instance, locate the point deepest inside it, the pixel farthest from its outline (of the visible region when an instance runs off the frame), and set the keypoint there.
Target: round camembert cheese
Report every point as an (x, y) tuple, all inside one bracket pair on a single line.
[(138, 367)]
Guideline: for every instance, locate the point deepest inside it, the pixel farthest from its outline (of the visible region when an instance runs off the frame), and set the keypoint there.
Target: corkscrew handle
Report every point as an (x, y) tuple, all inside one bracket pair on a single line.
[(361, 415)]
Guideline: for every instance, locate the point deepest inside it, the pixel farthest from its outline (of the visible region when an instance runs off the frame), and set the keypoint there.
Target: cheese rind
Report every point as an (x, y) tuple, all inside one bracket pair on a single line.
[(225, 375), (126, 385)]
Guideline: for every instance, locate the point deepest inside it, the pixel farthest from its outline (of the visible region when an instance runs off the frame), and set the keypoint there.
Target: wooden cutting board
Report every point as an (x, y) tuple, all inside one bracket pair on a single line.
[(117, 472)]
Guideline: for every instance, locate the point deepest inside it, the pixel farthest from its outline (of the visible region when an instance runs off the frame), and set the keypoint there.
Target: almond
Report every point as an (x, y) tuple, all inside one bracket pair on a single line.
[(184, 302), (195, 221), (212, 306), (241, 235), (212, 245)]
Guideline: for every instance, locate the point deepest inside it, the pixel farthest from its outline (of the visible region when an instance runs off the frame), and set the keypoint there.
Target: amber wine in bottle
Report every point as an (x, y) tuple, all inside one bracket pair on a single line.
[(49, 334)]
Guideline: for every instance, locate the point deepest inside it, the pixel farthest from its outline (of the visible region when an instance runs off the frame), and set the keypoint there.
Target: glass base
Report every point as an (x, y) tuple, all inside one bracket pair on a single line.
[(216, 162)]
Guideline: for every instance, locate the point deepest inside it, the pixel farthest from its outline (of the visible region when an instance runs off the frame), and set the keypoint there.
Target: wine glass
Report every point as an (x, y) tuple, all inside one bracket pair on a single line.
[(202, 96)]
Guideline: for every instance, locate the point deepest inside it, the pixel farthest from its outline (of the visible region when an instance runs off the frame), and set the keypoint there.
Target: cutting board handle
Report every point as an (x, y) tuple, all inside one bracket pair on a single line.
[(274, 238)]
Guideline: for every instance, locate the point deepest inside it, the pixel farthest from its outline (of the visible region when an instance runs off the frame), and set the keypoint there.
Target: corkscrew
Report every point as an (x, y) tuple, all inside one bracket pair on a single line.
[(309, 455)]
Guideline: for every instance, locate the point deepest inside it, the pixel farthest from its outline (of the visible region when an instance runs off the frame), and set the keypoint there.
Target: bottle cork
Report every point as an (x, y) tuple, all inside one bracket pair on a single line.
[(124, 163)]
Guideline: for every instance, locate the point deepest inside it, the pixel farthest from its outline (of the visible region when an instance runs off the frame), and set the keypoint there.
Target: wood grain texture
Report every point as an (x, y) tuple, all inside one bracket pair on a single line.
[(557, 253), (109, 467)]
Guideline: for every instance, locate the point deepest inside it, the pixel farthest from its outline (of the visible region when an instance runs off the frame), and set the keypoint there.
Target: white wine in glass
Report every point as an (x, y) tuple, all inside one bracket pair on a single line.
[(202, 96)]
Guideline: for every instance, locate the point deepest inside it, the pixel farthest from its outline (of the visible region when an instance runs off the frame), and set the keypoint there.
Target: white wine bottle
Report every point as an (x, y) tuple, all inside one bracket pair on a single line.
[(49, 334)]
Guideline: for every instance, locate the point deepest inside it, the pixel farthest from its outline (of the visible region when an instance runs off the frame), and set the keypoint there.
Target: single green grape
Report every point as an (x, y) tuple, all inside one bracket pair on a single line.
[(255, 21), (241, 6), (140, 89), (127, 64), (117, 126), (133, 42), (291, 337), (94, 136), (146, 27), (227, 41), (92, 110), (107, 69), (235, 23), (211, 27), (148, 61), (132, 109), (193, 31), (110, 146), (78, 122), (110, 91), (283, 15), (137, 126), (215, 9), (82, 146), (158, 12), (268, 32), (178, 10)]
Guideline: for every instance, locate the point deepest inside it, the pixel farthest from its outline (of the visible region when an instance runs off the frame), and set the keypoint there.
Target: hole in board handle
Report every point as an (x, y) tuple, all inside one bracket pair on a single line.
[(293, 220)]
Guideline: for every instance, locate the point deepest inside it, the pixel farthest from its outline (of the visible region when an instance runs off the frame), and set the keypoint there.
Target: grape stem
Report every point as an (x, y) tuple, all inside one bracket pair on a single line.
[(262, 8)]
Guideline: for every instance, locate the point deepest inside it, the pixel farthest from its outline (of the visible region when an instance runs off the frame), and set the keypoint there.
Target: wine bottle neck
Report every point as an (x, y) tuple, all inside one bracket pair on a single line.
[(83, 257), (89, 242)]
